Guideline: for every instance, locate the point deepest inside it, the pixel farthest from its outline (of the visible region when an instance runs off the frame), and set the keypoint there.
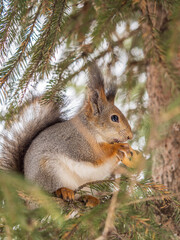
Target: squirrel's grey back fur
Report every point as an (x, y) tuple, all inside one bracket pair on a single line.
[(33, 117)]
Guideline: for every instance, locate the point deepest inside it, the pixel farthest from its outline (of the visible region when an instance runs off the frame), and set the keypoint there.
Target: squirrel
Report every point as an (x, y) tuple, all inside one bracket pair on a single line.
[(59, 154)]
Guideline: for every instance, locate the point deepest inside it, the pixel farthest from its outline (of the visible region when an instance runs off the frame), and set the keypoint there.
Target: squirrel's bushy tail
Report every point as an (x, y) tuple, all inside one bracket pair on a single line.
[(32, 118)]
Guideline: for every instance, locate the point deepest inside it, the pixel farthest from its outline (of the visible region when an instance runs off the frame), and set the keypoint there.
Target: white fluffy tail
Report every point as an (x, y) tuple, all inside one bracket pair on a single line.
[(33, 118)]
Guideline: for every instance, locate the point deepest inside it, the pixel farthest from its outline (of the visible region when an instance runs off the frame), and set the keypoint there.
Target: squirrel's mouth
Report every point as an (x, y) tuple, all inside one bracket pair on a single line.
[(116, 141)]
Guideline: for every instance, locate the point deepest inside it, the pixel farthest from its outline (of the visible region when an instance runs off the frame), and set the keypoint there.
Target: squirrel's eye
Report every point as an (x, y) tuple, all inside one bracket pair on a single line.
[(114, 118)]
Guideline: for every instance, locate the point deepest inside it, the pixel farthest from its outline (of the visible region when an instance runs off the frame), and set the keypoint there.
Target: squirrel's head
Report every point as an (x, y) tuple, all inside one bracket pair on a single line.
[(107, 120)]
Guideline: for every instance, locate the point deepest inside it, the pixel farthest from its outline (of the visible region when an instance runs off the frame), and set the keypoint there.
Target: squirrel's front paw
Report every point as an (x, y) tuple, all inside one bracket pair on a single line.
[(89, 200), (65, 193), (136, 161), (125, 150)]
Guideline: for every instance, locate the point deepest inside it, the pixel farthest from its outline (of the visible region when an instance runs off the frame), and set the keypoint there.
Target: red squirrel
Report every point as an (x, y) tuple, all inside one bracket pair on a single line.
[(60, 155)]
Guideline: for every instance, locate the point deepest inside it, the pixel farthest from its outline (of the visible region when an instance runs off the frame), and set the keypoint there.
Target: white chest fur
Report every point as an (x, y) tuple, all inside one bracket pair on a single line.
[(73, 174)]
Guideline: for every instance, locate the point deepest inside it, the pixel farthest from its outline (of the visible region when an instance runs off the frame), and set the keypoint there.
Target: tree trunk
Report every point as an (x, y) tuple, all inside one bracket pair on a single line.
[(166, 149)]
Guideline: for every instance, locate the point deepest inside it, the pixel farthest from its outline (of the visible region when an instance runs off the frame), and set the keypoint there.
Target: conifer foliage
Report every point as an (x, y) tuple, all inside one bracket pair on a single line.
[(52, 41)]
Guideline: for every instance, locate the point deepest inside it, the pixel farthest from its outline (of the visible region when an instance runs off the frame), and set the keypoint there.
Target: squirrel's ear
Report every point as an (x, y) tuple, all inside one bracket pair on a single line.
[(96, 102), (97, 97), (111, 93)]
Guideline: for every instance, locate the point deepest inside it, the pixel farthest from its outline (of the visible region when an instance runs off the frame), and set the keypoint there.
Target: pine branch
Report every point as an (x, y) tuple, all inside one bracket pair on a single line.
[(14, 61), (14, 15), (88, 184), (41, 48), (7, 21), (110, 13), (54, 41), (153, 198), (61, 78)]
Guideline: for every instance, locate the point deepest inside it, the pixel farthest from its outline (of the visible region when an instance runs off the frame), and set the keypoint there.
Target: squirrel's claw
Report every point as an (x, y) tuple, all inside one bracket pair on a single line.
[(126, 150), (89, 200), (65, 193)]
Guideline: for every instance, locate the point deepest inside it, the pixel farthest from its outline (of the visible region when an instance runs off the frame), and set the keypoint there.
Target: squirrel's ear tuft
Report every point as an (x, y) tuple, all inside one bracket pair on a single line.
[(96, 80), (111, 93)]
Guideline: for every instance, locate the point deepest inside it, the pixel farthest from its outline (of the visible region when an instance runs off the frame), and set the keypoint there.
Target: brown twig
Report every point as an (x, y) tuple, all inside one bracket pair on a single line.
[(109, 224)]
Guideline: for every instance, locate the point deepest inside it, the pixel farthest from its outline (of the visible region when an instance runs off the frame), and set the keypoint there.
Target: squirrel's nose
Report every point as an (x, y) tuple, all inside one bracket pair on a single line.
[(130, 136)]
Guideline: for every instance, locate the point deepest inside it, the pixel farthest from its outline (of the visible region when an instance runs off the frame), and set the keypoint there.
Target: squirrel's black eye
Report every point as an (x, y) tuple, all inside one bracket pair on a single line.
[(114, 118)]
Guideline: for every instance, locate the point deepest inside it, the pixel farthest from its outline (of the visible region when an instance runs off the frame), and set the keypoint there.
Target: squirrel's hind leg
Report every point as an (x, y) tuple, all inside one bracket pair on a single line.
[(65, 193), (90, 201)]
